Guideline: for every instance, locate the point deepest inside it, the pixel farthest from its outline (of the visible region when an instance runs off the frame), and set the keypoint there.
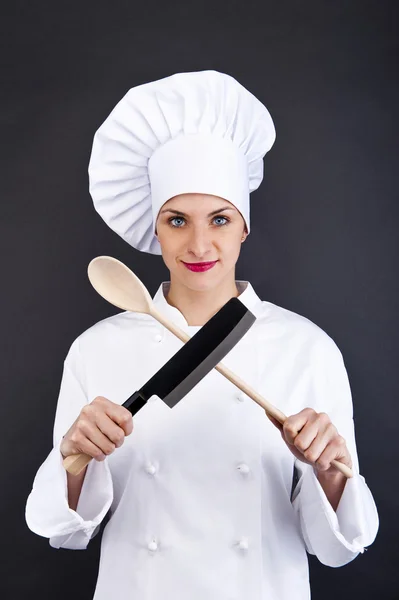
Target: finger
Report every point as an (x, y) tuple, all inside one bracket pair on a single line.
[(293, 424), (120, 415), (91, 432), (323, 461), (92, 450), (82, 445), (319, 444), (306, 436), (318, 422), (110, 429), (335, 450)]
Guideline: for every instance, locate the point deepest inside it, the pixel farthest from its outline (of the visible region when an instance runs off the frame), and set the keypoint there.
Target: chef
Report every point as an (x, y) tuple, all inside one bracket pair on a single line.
[(212, 500)]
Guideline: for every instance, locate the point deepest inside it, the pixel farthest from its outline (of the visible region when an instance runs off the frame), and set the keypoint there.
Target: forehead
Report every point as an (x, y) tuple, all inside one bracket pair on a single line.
[(196, 203)]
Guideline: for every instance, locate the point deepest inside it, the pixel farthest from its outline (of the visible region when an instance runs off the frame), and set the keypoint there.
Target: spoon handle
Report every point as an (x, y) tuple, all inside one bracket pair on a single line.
[(242, 385), (182, 335), (269, 408)]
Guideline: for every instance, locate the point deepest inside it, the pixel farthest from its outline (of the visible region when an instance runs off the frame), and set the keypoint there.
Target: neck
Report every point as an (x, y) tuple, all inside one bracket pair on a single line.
[(196, 306)]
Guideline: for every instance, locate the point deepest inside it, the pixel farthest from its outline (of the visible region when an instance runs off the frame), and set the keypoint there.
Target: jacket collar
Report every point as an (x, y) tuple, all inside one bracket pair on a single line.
[(247, 296)]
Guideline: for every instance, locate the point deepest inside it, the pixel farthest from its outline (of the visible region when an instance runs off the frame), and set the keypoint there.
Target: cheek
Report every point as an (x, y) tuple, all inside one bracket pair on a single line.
[(168, 259), (231, 247), (170, 246)]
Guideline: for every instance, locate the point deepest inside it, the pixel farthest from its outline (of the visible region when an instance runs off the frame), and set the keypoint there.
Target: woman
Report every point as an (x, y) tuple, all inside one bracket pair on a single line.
[(202, 499)]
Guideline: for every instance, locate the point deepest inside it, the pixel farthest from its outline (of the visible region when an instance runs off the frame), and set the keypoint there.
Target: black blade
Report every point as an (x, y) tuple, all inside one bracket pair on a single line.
[(197, 357)]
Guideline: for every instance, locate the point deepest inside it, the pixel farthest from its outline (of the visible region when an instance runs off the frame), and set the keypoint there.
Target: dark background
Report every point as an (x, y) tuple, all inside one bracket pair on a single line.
[(324, 239)]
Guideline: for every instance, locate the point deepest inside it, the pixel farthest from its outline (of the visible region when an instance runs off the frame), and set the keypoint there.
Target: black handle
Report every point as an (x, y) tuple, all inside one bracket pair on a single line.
[(135, 402)]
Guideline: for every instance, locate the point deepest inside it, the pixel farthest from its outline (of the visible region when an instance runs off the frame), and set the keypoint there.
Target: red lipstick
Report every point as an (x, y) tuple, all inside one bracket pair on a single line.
[(200, 267)]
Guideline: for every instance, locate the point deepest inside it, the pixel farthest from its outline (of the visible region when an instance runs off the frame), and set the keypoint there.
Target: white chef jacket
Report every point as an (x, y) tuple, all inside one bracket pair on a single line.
[(200, 495)]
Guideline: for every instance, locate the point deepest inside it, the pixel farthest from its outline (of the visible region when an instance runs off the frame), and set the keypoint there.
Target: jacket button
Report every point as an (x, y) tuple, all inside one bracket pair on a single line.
[(240, 396), (152, 546), (243, 544), (150, 468), (243, 468), (158, 337)]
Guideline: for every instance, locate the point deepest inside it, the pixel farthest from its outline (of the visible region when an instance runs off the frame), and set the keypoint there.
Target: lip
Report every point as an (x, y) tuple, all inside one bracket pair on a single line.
[(200, 267)]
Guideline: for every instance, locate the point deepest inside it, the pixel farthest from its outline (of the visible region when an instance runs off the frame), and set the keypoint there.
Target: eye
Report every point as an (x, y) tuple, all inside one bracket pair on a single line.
[(171, 221), (225, 219)]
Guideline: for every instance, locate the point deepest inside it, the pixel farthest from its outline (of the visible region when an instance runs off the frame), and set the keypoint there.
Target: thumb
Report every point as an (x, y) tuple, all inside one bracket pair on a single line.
[(275, 422)]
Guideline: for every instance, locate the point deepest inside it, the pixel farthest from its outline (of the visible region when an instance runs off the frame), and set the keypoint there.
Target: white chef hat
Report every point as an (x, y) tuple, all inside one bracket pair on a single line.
[(200, 132)]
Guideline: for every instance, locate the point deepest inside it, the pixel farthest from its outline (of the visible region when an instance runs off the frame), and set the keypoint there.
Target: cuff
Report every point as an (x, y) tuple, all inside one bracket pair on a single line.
[(337, 537), (47, 511)]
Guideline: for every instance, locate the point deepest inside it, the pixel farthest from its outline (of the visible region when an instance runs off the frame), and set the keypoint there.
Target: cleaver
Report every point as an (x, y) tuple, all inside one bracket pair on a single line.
[(188, 366)]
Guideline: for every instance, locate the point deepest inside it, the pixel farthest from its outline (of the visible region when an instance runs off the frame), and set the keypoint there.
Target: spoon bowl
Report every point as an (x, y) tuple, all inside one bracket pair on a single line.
[(117, 284)]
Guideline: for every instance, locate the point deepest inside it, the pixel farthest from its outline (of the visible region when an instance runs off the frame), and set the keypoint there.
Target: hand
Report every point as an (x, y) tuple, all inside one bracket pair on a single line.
[(313, 439), (100, 428)]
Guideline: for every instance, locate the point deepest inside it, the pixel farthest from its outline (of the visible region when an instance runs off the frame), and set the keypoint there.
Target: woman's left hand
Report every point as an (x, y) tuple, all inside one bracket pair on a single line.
[(312, 438)]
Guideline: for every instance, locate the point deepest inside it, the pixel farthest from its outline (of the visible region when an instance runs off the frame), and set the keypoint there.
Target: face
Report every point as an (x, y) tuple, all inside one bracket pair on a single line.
[(199, 228)]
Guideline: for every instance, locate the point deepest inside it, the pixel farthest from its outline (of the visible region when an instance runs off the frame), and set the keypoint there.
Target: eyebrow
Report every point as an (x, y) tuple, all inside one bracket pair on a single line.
[(182, 214)]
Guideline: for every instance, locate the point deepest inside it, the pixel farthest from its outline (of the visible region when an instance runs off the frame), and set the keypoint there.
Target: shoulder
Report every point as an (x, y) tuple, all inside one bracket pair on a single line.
[(274, 320), (112, 330)]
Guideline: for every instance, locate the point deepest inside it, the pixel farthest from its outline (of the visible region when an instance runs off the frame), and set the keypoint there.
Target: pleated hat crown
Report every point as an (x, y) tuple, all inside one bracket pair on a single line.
[(199, 132)]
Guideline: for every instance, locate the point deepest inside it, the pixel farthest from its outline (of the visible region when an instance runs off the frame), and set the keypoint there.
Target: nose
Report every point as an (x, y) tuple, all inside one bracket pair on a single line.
[(199, 243)]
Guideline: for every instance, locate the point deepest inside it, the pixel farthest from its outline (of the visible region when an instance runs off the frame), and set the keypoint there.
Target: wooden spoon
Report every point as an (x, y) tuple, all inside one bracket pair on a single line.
[(115, 282)]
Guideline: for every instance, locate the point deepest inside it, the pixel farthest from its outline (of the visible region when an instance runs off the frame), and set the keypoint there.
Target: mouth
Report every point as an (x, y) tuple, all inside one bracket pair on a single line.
[(200, 267)]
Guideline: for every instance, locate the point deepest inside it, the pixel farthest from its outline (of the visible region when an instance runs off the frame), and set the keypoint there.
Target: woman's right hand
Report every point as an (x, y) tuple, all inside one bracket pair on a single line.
[(100, 428)]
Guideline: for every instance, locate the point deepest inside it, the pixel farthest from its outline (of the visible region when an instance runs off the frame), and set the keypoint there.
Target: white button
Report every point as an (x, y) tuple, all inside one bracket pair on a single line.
[(240, 396), (150, 468), (243, 544), (152, 546), (158, 337), (243, 468)]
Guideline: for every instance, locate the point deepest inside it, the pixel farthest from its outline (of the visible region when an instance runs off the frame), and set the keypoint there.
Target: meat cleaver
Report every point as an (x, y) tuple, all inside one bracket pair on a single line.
[(188, 366)]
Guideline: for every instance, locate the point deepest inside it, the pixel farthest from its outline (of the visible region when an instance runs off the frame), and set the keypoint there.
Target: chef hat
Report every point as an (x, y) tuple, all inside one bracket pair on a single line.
[(200, 132)]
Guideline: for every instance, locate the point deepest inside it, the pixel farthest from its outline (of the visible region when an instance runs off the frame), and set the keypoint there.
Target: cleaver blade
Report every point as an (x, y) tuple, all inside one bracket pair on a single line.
[(196, 358), (188, 366)]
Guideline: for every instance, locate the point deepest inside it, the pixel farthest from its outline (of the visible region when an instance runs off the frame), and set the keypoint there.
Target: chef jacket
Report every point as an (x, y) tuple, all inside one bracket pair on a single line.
[(201, 497)]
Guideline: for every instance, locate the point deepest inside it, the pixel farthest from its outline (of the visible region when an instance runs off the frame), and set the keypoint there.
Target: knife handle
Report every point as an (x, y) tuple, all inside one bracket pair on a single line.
[(75, 463), (135, 402)]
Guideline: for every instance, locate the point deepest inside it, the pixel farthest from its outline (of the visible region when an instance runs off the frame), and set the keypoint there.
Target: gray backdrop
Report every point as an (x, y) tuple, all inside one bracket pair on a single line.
[(324, 239)]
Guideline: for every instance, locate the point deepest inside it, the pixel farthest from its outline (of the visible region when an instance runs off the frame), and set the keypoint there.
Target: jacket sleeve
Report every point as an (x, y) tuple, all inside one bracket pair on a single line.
[(47, 510), (336, 538)]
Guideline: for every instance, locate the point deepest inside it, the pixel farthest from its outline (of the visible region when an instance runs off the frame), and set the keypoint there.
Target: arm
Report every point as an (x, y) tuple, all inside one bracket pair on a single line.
[(75, 483), (333, 486), (54, 508), (337, 517), (335, 536)]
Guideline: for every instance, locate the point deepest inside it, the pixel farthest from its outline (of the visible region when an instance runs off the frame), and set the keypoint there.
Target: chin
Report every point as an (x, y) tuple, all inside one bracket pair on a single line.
[(200, 282), (202, 286)]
